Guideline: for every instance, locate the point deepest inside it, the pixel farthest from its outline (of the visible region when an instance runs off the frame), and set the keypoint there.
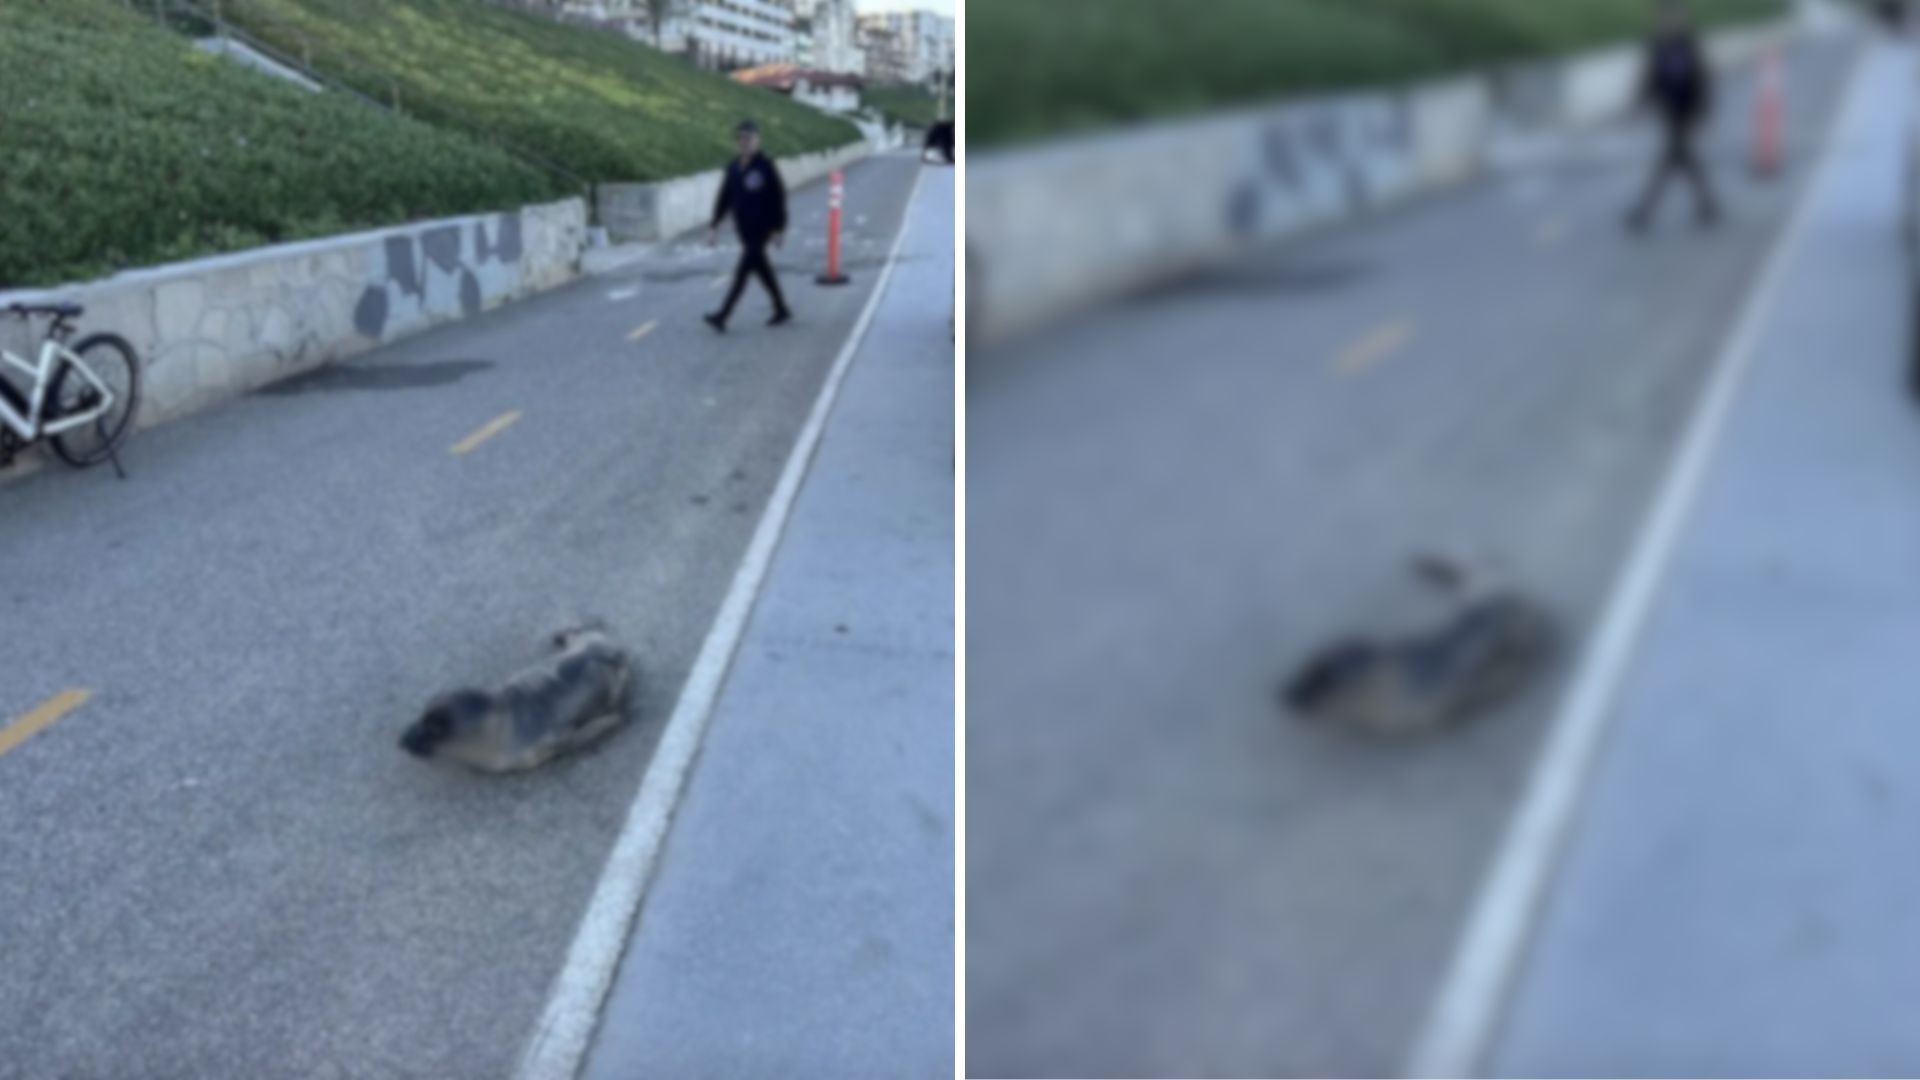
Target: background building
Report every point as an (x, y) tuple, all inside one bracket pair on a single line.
[(932, 44), (827, 36), (817, 35), (730, 34), (631, 16), (882, 51), (906, 46)]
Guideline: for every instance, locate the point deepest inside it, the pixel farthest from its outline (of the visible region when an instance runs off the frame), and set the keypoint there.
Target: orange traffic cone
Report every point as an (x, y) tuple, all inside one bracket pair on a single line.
[(1770, 103), (835, 192)]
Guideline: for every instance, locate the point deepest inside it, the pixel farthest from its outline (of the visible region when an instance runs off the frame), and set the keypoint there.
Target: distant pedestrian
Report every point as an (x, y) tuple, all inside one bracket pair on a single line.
[(939, 142), (753, 193), (1678, 84)]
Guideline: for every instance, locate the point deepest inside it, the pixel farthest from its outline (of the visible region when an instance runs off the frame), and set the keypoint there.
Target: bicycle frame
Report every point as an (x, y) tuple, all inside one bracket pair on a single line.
[(52, 355)]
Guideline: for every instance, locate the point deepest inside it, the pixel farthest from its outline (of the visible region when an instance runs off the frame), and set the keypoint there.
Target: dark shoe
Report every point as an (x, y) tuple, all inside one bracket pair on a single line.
[(780, 317), (715, 320)]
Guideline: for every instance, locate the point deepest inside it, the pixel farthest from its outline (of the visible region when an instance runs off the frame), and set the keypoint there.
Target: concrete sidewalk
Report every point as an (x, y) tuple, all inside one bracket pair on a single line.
[(1737, 896), (801, 919)]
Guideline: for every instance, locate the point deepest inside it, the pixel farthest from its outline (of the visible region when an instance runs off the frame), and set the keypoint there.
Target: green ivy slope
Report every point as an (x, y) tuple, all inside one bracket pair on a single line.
[(123, 146)]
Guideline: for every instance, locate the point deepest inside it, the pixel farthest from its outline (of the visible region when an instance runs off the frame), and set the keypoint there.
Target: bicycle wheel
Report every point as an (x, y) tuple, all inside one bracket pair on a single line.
[(112, 361)]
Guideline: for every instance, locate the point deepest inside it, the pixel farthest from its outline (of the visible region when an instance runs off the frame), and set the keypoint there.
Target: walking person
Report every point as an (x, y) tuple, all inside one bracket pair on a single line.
[(1678, 84), (753, 193)]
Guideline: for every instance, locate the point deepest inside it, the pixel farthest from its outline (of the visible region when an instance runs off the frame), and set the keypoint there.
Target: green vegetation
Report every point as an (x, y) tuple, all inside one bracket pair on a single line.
[(599, 105), (910, 105), (1042, 69), (121, 146)]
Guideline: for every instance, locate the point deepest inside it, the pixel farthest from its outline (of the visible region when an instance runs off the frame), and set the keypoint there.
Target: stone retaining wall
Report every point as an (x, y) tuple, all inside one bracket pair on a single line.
[(210, 329)]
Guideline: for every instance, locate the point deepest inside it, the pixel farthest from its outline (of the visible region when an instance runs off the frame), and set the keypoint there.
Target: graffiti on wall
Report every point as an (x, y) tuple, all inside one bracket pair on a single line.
[(444, 271), (219, 332), (1319, 161)]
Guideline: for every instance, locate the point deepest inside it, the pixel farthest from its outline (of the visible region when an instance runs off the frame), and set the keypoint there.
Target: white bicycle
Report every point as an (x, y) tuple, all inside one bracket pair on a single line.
[(81, 399)]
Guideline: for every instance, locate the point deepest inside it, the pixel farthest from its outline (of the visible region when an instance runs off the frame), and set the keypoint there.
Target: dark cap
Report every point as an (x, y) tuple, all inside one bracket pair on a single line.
[(747, 127)]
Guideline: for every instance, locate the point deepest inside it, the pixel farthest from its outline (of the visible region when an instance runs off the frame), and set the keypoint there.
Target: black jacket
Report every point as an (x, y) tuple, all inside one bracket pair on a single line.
[(754, 194), (1678, 79), (940, 137)]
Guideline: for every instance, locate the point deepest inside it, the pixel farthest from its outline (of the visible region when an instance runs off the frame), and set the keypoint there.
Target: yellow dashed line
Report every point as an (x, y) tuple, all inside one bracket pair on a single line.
[(494, 427), (45, 714), (643, 330), (722, 280), (1381, 343)]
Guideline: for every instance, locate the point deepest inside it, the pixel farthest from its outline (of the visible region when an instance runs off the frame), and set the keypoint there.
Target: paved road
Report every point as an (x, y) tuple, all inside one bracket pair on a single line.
[(1170, 503), (801, 923), (220, 864), (1737, 897)]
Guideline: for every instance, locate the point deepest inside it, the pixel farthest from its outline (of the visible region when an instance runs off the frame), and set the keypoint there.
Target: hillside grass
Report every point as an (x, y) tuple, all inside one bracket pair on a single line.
[(910, 105), (1047, 69), (122, 146), (599, 105)]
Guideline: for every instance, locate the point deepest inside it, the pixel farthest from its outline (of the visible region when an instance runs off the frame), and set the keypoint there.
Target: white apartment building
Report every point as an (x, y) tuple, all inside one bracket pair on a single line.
[(827, 37), (718, 33), (731, 33), (932, 44), (629, 15), (907, 46)]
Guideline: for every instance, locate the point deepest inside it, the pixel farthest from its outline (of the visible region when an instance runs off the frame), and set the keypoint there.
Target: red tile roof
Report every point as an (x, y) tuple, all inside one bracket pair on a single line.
[(782, 77)]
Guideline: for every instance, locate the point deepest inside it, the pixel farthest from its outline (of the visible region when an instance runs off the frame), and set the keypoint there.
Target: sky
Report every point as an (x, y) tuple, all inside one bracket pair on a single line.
[(944, 7)]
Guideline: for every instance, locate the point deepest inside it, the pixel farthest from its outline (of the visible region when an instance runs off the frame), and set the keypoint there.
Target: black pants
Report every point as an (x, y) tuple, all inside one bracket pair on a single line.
[(753, 260), (1678, 158)]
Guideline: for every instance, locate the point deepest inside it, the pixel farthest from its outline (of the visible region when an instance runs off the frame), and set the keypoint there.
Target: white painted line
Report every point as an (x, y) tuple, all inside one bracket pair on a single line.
[(565, 1032), (629, 293), (643, 329), (960, 566), (1459, 1029)]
